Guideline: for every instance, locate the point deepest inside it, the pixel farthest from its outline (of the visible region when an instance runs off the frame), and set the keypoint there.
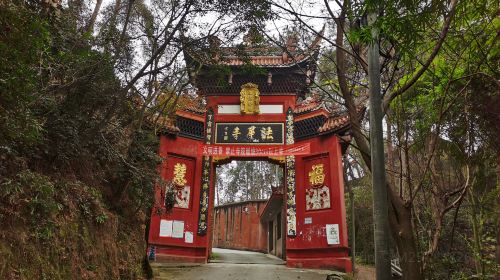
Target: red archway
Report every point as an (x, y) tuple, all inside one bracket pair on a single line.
[(255, 110)]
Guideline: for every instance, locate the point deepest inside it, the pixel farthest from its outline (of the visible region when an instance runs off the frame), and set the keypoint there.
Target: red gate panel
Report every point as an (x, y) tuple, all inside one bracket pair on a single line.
[(311, 246)]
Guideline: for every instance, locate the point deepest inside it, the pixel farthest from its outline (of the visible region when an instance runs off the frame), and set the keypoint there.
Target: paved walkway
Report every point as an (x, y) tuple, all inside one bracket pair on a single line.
[(243, 257), (238, 265), (232, 271)]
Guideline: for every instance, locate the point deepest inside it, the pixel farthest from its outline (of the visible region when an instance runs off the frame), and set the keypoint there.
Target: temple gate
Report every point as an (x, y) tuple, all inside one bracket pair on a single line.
[(257, 106)]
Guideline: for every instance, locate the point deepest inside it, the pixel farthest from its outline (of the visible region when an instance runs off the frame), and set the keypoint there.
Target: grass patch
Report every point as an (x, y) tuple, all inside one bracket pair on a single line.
[(214, 256)]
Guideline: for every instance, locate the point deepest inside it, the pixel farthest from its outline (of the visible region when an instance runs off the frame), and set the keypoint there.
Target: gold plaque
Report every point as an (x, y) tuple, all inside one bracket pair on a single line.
[(249, 98)]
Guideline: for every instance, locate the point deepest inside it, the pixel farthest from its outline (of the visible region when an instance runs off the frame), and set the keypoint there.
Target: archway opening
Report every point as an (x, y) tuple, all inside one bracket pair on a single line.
[(248, 211)]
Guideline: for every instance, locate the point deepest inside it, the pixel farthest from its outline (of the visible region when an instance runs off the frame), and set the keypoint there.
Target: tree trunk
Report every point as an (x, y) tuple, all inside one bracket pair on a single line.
[(348, 170), (380, 208), (402, 232), (399, 216), (476, 233), (97, 8), (497, 245)]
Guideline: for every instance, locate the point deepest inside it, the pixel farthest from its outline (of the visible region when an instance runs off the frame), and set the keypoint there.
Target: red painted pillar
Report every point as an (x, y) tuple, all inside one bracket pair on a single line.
[(310, 247)]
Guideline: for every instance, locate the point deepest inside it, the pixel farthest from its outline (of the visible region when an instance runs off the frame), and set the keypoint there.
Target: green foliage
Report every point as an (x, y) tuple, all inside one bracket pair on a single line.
[(170, 194), (454, 99), (40, 204), (24, 44), (101, 219), (214, 256), (251, 70), (59, 106), (247, 180), (71, 153), (220, 73), (363, 230), (245, 11)]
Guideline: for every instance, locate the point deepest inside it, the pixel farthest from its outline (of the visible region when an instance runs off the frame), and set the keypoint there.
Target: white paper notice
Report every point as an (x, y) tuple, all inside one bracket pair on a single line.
[(178, 229), (332, 234), (188, 238), (165, 228)]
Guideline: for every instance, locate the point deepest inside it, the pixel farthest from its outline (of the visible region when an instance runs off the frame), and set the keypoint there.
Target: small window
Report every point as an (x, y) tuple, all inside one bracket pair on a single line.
[(278, 226)]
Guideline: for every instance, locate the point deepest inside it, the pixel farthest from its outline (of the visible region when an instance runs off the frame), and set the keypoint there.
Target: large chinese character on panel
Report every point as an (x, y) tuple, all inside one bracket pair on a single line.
[(317, 194), (183, 191)]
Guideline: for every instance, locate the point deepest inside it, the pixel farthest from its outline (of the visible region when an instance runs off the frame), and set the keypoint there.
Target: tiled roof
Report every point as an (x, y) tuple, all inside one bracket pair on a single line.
[(341, 121), (266, 60), (334, 123), (195, 109), (256, 60), (310, 104), (191, 104), (267, 54), (337, 120), (307, 107)]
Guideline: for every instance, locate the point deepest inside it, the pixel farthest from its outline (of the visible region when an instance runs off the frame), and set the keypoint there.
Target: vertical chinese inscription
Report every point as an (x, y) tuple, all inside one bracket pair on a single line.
[(290, 178), (249, 98), (205, 176)]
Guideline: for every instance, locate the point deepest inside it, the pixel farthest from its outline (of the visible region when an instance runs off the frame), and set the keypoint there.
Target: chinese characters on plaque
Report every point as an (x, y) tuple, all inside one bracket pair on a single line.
[(249, 133), (250, 99), (255, 151), (180, 174), (317, 195), (316, 176), (332, 234)]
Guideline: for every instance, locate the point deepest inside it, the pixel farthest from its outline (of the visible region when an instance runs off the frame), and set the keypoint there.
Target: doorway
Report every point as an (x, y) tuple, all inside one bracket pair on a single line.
[(245, 190)]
